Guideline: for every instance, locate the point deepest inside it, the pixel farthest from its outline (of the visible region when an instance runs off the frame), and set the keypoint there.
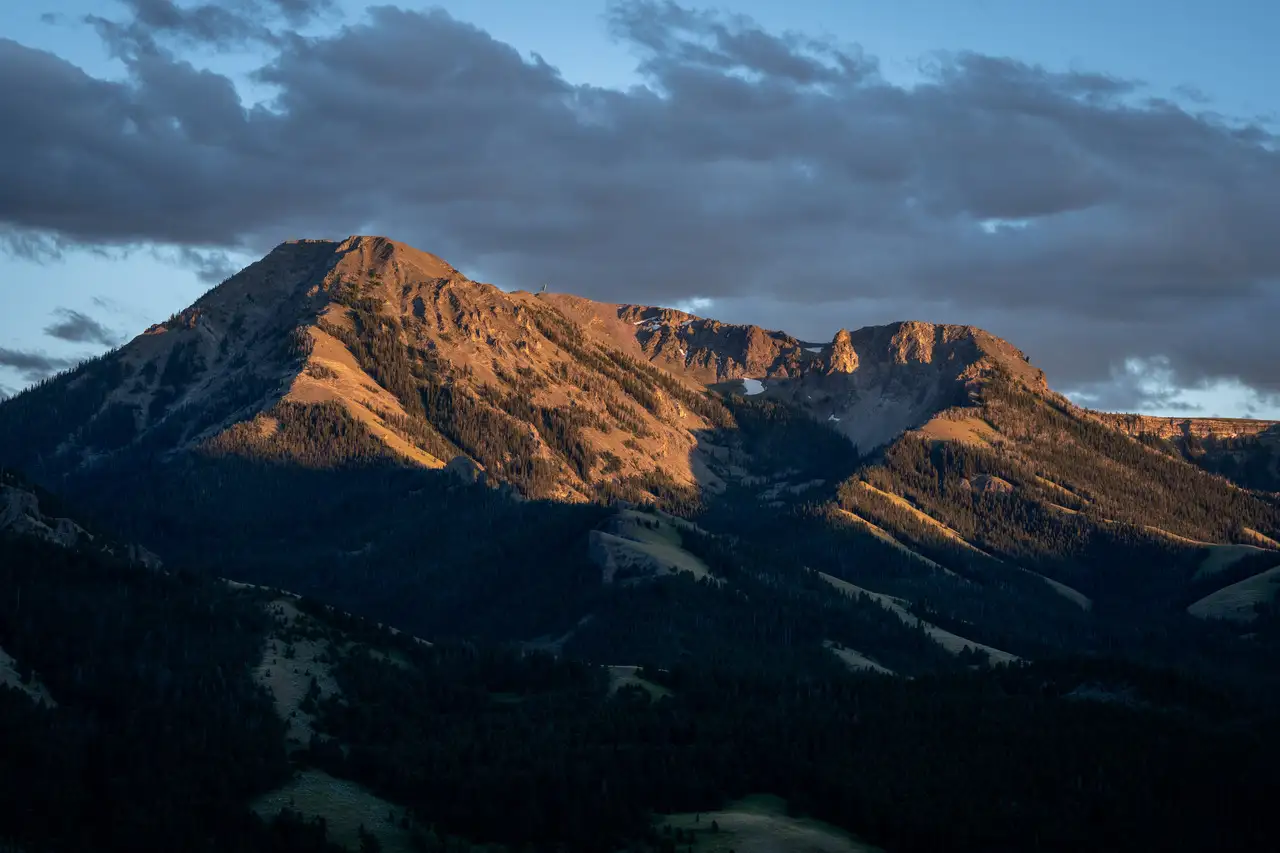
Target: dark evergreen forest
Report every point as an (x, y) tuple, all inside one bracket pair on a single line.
[(159, 737), (1137, 727)]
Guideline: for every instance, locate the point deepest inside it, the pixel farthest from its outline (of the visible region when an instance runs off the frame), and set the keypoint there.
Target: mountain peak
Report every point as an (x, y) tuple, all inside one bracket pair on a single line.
[(375, 252)]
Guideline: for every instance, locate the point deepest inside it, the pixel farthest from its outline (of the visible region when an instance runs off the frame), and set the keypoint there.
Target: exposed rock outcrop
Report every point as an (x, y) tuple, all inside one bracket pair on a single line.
[(988, 484), (1170, 428), (843, 358), (20, 514), (465, 469)]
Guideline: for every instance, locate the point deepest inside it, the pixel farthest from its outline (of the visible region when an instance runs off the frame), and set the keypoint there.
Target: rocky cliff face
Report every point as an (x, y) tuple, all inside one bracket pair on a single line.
[(1244, 451), (843, 357), (1175, 428)]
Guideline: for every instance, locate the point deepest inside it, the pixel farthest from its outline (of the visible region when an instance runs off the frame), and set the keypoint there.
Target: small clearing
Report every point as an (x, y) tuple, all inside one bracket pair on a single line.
[(345, 807), (634, 545), (972, 431), (9, 678), (1075, 596), (288, 668), (760, 824), (953, 643), (856, 660), (626, 676), (635, 523), (1223, 557), (1236, 602)]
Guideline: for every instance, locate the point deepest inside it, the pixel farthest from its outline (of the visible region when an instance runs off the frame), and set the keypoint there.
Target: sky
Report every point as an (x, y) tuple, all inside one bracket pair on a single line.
[(1097, 182)]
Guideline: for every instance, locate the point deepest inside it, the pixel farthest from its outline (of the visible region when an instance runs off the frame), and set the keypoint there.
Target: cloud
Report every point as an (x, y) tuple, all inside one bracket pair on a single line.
[(32, 365), (80, 328), (222, 25), (38, 246), (752, 168), (1138, 384), (211, 266)]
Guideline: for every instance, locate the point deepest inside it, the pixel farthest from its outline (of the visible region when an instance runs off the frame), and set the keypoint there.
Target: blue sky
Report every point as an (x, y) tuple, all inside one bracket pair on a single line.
[(1208, 56)]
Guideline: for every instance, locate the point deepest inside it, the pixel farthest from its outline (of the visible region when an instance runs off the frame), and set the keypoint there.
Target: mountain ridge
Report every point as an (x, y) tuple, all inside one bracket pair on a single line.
[(1173, 426), (301, 326)]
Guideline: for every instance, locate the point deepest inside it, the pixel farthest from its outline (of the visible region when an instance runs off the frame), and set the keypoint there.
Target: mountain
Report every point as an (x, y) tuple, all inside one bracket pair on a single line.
[(359, 422), (551, 393), (151, 709), (599, 566)]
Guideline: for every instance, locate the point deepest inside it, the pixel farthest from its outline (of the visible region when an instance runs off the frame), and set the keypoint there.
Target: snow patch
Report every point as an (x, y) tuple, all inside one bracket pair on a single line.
[(997, 226), (833, 418), (752, 387), (814, 349)]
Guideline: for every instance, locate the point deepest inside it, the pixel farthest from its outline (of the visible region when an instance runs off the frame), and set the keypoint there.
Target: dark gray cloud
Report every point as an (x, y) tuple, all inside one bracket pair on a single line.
[(210, 267), (80, 328), (1139, 384), (221, 24), (39, 246), (32, 365), (753, 168)]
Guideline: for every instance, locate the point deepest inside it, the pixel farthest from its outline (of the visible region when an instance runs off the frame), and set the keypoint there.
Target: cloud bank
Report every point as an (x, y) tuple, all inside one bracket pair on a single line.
[(1094, 226)]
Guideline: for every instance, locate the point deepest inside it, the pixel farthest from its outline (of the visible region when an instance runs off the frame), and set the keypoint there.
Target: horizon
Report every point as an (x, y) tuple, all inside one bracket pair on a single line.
[(785, 160)]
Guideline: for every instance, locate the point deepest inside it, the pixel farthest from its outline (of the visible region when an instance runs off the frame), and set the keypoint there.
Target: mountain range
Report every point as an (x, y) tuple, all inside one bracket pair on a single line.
[(625, 500)]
